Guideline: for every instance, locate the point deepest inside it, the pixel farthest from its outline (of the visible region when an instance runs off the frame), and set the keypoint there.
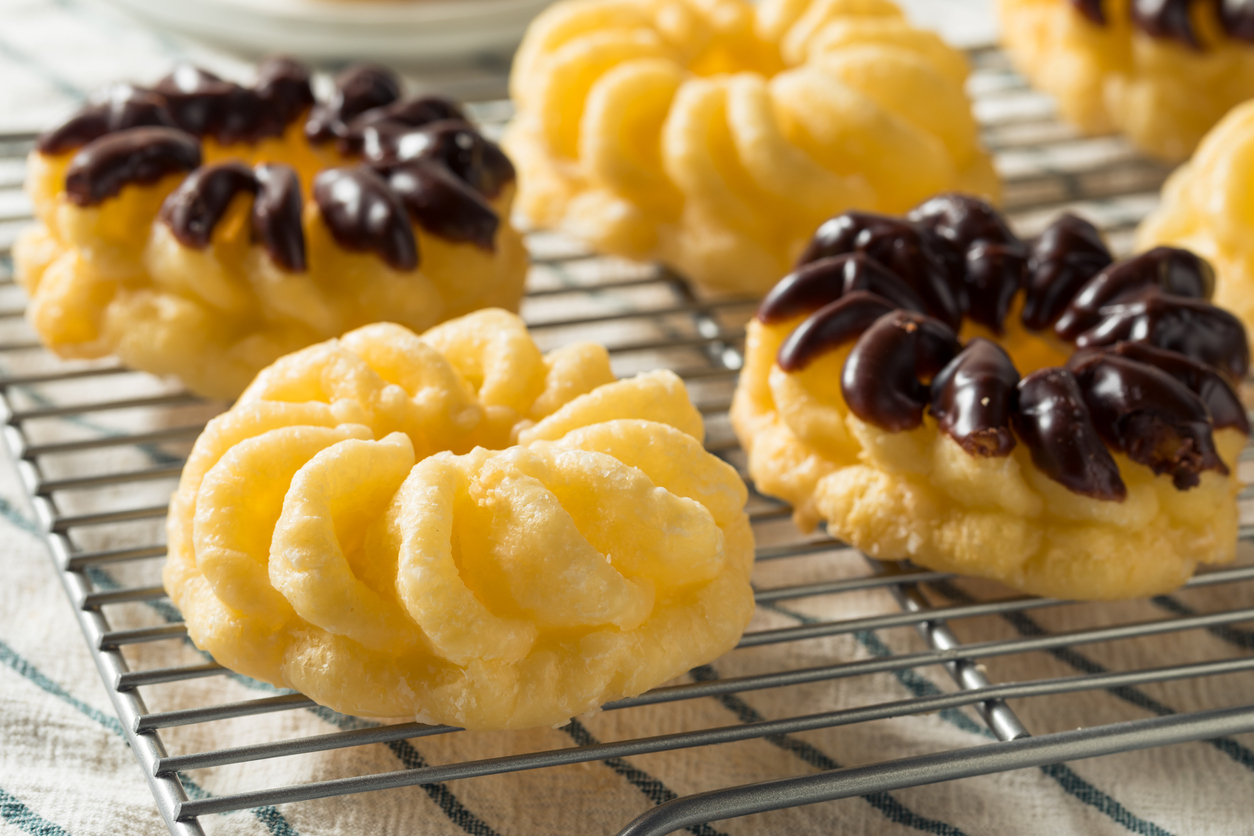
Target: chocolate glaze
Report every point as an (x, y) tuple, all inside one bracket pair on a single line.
[(443, 204), (195, 98), (1226, 409), (196, 101), (1192, 327), (283, 86), (276, 219), (814, 285), (203, 104), (442, 166), (1094, 10), (1174, 271), (1237, 19), (1165, 19), (994, 272), (1149, 415), (462, 150), (883, 379), (989, 258), (974, 396), (831, 326), (963, 219), (376, 129), (357, 89), (138, 155), (1171, 20), (1154, 357), (454, 144), (417, 111), (1054, 423), (364, 214), (193, 210), (116, 108), (916, 254), (1062, 260)]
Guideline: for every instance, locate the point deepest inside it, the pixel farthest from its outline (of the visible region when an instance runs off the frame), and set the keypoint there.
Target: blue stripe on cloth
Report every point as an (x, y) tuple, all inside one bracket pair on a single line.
[(152, 451), (405, 752), (921, 686), (10, 658), (1065, 776), (14, 812), (1027, 626), (1243, 639), (457, 812), (653, 789), (101, 579), (884, 802), (268, 816), (11, 513)]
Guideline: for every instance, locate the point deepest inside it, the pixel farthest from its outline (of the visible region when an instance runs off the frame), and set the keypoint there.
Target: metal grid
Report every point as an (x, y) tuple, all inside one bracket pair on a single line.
[(648, 318)]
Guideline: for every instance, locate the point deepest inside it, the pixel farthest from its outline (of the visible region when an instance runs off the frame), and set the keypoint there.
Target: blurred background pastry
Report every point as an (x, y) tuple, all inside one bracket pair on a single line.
[(1207, 206), (1160, 72), (716, 137), (202, 228)]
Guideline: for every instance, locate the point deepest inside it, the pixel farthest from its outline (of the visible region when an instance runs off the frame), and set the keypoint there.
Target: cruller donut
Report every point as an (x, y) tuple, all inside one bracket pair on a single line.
[(1160, 71), (203, 229), (456, 528), (716, 136), (934, 388)]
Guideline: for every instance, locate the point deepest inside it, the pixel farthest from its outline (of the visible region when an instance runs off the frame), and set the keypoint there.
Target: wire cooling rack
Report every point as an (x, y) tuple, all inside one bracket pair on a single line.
[(99, 448)]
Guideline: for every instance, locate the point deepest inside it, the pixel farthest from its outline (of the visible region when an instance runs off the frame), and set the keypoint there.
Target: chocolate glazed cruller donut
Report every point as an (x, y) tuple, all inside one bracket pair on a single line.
[(1161, 71), (203, 228), (935, 388), (456, 528)]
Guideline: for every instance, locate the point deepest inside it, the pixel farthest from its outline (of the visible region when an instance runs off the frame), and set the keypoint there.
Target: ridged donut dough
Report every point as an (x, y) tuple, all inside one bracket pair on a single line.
[(1207, 206), (715, 135), (457, 528), (1163, 95)]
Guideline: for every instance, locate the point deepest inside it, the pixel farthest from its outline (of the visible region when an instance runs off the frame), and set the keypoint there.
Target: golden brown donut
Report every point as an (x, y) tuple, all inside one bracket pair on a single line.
[(934, 388)]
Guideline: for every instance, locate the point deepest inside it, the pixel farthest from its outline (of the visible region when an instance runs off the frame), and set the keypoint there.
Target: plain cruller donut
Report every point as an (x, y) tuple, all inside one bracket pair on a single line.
[(716, 136), (457, 528)]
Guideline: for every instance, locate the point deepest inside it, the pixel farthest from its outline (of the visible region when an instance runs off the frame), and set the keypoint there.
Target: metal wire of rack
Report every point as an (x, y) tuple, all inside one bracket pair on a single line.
[(57, 425)]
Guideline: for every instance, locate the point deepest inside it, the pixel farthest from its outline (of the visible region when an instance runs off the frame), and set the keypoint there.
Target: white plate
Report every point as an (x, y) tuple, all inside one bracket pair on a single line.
[(413, 32)]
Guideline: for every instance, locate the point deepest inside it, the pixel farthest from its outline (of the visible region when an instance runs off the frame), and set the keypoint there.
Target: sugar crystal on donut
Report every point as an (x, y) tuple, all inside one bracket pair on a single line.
[(203, 228), (932, 387)]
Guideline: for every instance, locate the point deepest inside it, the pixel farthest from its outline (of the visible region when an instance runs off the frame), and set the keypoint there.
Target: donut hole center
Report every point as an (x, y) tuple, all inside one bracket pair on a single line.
[(1029, 350)]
